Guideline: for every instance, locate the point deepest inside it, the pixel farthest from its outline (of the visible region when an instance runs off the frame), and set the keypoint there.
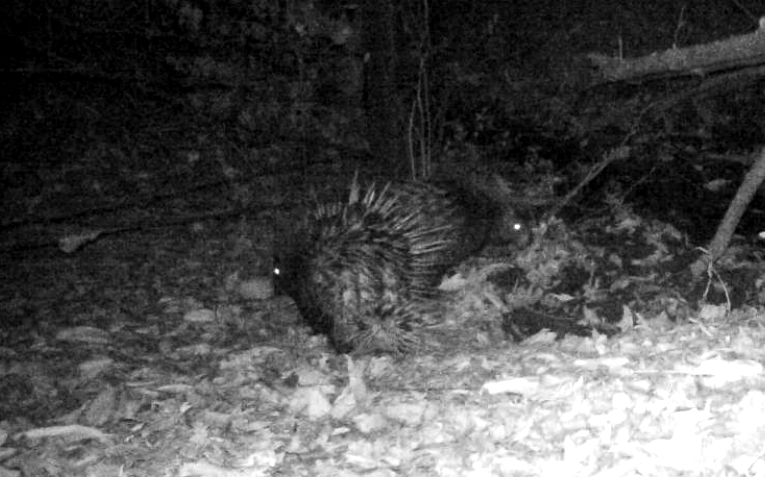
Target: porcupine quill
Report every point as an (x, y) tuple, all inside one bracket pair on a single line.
[(366, 265)]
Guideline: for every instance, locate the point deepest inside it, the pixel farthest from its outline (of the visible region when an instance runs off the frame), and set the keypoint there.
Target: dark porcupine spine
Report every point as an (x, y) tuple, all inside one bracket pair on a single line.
[(365, 266)]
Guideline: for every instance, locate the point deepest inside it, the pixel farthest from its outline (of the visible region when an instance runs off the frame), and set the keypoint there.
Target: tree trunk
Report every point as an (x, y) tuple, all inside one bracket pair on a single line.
[(383, 104)]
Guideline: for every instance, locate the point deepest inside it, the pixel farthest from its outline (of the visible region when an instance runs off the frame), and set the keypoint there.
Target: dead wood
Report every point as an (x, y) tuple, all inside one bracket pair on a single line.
[(736, 209), (733, 53)]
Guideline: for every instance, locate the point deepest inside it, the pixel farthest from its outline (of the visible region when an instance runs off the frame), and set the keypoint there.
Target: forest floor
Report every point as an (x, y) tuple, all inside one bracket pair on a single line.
[(156, 353)]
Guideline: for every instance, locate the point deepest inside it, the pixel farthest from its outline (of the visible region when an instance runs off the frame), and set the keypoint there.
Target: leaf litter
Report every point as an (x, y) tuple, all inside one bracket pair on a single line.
[(180, 378)]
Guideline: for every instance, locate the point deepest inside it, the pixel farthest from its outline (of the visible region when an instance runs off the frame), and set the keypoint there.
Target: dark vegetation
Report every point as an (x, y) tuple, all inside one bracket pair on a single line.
[(130, 106)]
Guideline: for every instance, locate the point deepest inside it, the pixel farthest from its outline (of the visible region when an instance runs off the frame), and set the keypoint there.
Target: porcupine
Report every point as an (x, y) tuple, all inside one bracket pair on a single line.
[(365, 266)]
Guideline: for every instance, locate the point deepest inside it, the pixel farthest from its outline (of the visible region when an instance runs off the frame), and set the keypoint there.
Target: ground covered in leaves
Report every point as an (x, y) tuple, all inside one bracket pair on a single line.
[(164, 352)]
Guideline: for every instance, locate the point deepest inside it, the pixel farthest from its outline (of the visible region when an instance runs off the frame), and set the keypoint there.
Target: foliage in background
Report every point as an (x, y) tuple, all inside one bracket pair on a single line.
[(171, 91)]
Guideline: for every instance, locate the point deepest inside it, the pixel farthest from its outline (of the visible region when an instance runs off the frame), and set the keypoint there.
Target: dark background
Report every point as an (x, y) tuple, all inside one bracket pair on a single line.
[(123, 112)]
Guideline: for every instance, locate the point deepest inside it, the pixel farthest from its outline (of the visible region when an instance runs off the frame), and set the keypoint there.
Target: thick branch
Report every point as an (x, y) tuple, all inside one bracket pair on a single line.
[(734, 52), (736, 209)]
